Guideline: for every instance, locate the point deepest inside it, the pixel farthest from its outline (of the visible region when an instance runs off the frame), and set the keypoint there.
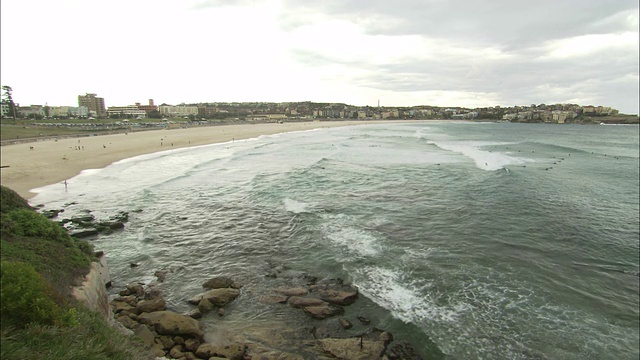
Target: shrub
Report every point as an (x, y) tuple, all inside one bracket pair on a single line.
[(26, 222), (25, 297), (10, 200)]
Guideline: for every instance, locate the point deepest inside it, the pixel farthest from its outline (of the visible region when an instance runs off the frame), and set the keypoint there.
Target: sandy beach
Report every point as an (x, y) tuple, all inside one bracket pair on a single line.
[(29, 166)]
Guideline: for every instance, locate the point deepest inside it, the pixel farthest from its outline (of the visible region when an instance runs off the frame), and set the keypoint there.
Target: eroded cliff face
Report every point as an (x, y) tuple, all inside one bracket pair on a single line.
[(93, 291)]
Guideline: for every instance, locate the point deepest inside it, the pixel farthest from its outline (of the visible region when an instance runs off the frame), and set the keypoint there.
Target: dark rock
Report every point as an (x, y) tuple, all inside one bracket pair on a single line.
[(161, 275), (134, 265), (120, 306), (152, 292), (232, 351), (121, 217), (195, 314), (302, 302), (205, 306), (113, 225), (145, 334), (170, 323), (127, 322), (363, 320), (218, 297), (176, 352), (345, 324), (82, 219), (336, 293), (79, 234), (152, 305), (167, 341), (221, 282), (135, 289), (50, 214), (356, 348), (402, 350), (323, 311), (191, 344)]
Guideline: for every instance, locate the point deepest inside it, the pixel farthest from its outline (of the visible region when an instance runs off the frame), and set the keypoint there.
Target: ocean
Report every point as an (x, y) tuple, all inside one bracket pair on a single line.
[(491, 240)]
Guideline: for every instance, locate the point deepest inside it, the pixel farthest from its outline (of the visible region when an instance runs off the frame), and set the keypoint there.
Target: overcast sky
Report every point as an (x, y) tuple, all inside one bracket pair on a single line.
[(403, 52)]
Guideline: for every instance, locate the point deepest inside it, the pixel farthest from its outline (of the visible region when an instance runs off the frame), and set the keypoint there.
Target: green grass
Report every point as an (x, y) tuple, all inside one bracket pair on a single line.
[(40, 318), (13, 132), (91, 338)]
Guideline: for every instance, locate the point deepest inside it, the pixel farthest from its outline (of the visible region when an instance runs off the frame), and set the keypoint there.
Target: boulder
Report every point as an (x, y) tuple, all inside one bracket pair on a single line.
[(345, 324), (167, 342), (146, 335), (176, 352), (352, 348), (221, 282), (151, 305), (79, 234), (337, 293), (152, 292), (302, 302), (323, 311), (191, 345), (135, 289), (50, 214), (170, 323), (233, 351), (205, 306), (161, 275), (195, 314), (121, 306), (218, 297), (127, 322)]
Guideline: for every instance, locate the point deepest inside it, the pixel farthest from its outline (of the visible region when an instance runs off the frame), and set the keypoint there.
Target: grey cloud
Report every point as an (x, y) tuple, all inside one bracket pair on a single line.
[(512, 24), (520, 79)]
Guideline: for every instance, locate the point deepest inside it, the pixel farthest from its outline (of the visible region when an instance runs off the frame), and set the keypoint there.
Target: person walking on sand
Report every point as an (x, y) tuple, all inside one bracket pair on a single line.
[(65, 185)]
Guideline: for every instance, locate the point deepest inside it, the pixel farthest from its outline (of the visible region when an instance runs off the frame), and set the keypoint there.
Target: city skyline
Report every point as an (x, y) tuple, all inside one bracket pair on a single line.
[(407, 53)]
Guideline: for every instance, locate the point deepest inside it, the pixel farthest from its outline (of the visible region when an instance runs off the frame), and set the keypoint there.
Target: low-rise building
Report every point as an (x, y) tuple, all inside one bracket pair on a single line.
[(68, 111), (126, 111), (177, 111)]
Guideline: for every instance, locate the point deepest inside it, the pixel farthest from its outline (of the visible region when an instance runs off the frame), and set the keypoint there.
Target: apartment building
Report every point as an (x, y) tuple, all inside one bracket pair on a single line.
[(94, 103)]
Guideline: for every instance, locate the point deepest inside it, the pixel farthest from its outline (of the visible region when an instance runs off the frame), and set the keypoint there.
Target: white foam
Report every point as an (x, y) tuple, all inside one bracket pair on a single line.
[(407, 302), (294, 206), (358, 242), (485, 160)]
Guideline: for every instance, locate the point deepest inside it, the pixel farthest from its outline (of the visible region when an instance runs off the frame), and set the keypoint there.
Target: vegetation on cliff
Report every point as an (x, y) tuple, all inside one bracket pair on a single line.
[(40, 318)]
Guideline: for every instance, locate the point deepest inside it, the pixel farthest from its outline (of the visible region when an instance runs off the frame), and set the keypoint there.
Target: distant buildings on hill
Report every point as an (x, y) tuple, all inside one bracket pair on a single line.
[(92, 106)]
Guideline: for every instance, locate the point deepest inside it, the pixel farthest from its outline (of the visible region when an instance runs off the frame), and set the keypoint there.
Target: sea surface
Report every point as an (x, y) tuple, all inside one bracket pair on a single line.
[(493, 240)]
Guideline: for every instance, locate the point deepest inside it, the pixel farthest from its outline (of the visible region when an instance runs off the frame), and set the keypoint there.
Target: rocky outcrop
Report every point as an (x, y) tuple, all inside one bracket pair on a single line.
[(167, 334), (92, 293), (85, 225)]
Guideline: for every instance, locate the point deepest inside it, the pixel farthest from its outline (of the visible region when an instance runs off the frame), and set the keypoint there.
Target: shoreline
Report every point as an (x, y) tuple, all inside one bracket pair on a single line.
[(28, 166)]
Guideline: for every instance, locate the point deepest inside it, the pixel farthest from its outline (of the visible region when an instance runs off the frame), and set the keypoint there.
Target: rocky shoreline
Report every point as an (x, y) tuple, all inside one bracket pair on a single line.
[(140, 309), (143, 312)]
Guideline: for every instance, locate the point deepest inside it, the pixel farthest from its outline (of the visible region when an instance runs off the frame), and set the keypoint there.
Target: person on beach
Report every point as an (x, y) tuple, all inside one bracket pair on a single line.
[(65, 185)]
